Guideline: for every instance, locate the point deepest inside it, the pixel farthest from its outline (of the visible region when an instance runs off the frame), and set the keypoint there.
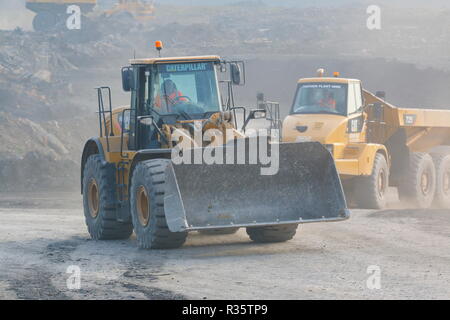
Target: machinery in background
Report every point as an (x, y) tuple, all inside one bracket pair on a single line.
[(139, 10), (52, 14)]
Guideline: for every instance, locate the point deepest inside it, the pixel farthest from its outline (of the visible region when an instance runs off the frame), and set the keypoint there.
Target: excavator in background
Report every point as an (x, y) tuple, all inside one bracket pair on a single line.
[(132, 179), (50, 14), (141, 11), (374, 143)]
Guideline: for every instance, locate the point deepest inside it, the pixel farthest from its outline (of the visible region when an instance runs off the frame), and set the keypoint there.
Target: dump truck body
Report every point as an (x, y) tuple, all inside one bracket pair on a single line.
[(358, 126), (165, 177)]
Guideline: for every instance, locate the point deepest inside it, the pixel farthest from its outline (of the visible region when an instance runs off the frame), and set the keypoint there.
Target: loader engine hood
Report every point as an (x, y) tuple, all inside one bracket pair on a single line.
[(323, 128)]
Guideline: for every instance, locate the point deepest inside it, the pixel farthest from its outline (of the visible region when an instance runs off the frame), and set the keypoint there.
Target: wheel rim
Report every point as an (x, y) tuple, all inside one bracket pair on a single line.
[(93, 198), (142, 206), (425, 183), (381, 183)]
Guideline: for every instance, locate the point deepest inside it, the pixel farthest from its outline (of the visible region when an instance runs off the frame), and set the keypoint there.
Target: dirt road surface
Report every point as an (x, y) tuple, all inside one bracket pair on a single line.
[(42, 235)]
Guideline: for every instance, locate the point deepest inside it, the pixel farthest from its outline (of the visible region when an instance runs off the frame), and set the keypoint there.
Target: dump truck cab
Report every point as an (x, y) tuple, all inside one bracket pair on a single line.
[(330, 110), (374, 144)]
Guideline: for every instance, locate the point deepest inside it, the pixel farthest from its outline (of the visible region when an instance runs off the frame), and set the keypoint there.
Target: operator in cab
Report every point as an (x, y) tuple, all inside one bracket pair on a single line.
[(169, 96), (328, 101)]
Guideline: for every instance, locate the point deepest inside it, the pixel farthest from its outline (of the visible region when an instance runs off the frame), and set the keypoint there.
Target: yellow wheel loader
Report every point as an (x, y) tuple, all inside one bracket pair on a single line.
[(175, 161), (50, 14), (374, 144)]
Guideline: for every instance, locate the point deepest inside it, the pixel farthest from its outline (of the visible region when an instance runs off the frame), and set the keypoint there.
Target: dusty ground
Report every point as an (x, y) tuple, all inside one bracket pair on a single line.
[(41, 235)]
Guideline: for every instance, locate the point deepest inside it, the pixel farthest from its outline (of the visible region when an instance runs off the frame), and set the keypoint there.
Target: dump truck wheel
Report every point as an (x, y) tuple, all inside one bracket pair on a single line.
[(99, 201), (418, 187), (442, 196), (217, 232), (272, 233), (147, 207), (370, 191)]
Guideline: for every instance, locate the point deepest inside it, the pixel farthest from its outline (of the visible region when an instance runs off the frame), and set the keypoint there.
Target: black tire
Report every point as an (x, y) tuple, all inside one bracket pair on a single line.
[(272, 233), (418, 187), (217, 232), (442, 195), (99, 201), (147, 207), (370, 191)]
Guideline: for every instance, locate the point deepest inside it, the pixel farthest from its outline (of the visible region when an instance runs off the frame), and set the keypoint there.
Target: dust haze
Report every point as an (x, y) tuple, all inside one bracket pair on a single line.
[(13, 14), (48, 110), (47, 101), (48, 104)]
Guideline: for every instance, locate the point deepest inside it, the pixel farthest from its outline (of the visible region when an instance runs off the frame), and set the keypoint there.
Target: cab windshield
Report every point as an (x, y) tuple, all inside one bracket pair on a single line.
[(330, 98), (189, 88)]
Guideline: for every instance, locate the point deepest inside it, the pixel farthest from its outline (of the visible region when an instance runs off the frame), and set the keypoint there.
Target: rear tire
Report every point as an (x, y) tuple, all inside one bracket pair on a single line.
[(147, 207), (99, 201), (272, 233), (370, 191), (418, 187), (217, 232), (442, 196)]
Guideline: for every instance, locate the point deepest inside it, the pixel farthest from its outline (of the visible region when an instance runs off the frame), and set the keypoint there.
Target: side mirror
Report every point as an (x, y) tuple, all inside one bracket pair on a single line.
[(260, 97), (127, 79), (235, 72), (260, 101)]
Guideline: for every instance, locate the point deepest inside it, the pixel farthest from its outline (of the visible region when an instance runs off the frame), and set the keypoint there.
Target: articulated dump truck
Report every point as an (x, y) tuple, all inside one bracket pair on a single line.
[(133, 179), (51, 14), (374, 144)]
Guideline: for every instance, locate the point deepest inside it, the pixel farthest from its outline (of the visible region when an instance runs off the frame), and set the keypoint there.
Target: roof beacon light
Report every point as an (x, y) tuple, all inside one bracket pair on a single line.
[(336, 74), (159, 46), (320, 72)]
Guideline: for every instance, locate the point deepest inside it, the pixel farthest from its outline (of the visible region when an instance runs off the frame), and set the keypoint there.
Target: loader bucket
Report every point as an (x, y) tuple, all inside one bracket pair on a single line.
[(306, 188)]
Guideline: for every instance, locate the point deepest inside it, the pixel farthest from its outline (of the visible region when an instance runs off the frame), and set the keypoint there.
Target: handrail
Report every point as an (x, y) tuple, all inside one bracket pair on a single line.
[(101, 114)]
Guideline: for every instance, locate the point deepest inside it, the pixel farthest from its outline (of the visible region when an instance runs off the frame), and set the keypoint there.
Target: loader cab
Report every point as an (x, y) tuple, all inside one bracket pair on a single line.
[(167, 90)]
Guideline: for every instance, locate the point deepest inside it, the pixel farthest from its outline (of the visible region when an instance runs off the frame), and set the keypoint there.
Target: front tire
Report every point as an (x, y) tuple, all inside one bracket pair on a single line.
[(418, 187), (272, 233), (147, 207), (370, 191), (99, 201)]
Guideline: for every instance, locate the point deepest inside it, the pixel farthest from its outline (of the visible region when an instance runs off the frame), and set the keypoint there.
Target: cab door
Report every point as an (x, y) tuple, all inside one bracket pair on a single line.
[(356, 117)]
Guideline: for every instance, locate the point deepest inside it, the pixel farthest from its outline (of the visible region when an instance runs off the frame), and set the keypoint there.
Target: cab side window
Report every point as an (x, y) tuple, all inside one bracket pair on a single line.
[(358, 96), (351, 99), (354, 97)]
